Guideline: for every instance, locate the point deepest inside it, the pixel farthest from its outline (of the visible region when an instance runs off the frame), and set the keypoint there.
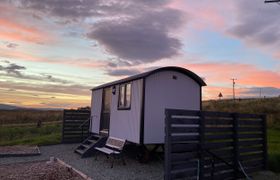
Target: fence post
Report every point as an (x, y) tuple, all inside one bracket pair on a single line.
[(264, 126), (62, 139), (201, 144), (236, 144), (167, 146)]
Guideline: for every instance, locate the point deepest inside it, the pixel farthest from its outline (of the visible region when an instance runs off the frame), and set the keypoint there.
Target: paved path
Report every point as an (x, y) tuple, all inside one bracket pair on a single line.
[(97, 169)]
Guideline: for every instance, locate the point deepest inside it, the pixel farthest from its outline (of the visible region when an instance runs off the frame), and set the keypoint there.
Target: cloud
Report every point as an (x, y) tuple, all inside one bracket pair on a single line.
[(13, 69), (11, 45), (246, 74), (257, 23), (263, 91), (141, 39), (51, 78), (16, 71), (74, 10), (218, 75), (72, 89), (10, 29), (64, 8), (122, 72), (136, 31)]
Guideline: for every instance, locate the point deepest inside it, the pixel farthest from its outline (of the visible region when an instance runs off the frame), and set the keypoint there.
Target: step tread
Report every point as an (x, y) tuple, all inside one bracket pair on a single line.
[(92, 141), (86, 145), (79, 151)]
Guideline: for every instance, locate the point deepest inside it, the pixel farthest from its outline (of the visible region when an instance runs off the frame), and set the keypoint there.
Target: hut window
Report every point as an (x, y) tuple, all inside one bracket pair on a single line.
[(125, 96)]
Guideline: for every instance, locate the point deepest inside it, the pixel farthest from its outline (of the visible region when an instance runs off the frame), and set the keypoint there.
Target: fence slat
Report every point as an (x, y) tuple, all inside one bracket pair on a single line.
[(184, 129), (167, 146), (184, 138), (265, 154), (72, 120), (184, 120), (213, 143)]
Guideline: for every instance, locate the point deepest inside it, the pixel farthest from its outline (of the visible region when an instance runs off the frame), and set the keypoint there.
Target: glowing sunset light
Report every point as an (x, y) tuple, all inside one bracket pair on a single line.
[(53, 53)]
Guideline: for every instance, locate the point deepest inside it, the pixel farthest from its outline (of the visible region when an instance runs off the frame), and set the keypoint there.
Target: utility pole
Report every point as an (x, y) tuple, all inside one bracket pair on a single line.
[(260, 93), (233, 88)]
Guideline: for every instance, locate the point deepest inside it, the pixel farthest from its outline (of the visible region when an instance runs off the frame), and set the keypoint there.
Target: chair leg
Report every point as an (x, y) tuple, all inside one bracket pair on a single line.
[(122, 157), (123, 161), (96, 156)]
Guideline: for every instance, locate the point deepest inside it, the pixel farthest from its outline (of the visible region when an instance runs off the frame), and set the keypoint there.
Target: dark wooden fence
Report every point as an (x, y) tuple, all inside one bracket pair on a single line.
[(214, 145), (75, 125)]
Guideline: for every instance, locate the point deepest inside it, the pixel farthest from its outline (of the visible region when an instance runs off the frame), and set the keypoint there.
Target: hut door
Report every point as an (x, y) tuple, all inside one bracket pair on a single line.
[(105, 112)]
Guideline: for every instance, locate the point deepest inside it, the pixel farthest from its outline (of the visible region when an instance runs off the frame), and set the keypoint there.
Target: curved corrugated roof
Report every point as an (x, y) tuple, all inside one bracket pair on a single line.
[(188, 73)]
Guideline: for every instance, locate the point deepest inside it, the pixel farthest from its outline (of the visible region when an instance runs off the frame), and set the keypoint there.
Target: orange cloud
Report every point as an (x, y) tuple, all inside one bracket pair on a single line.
[(25, 56), (15, 31), (245, 73), (218, 77)]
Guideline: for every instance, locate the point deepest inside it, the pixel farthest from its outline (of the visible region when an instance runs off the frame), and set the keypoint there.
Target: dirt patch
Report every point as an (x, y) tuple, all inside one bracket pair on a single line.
[(19, 150), (38, 171)]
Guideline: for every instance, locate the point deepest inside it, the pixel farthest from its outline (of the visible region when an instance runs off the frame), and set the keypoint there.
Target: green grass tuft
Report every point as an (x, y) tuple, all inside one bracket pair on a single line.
[(274, 149)]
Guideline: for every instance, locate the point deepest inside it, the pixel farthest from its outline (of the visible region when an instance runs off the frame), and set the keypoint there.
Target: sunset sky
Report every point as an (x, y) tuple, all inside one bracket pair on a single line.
[(52, 52)]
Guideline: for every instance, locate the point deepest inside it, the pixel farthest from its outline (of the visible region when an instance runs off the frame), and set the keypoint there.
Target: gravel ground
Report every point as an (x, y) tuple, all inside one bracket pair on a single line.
[(96, 169), (37, 171)]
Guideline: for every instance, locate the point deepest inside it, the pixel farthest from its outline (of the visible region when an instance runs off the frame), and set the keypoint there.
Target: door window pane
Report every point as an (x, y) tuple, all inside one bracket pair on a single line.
[(125, 96), (128, 95), (121, 96)]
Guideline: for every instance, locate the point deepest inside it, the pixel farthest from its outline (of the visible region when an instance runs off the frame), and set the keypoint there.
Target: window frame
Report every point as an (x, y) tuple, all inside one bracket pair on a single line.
[(124, 107)]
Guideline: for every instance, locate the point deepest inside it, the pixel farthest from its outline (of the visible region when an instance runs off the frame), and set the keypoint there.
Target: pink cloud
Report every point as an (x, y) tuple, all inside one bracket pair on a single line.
[(12, 30), (205, 14), (25, 56), (8, 53), (218, 77)]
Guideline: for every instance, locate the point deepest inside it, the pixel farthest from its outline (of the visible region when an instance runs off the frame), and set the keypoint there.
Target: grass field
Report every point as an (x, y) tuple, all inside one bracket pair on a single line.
[(19, 127), (268, 106), (49, 133), (23, 116)]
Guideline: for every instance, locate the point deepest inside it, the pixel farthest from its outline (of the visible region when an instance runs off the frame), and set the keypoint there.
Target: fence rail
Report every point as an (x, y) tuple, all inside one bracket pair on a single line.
[(75, 125), (216, 142)]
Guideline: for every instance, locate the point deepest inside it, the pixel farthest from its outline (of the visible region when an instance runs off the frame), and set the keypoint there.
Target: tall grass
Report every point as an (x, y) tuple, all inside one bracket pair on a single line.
[(20, 127), (268, 106), (28, 116), (31, 135), (274, 149)]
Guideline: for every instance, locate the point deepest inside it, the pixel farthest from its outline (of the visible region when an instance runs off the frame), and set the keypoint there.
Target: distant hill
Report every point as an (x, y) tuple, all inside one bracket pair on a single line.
[(9, 107)]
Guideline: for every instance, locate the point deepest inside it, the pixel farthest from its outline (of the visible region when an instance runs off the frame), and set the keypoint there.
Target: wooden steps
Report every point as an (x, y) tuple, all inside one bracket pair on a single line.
[(86, 148)]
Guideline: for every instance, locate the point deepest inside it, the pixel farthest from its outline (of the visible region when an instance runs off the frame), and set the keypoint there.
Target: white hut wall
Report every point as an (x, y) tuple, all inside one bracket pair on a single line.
[(125, 124), (167, 89)]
